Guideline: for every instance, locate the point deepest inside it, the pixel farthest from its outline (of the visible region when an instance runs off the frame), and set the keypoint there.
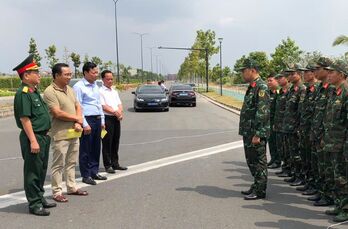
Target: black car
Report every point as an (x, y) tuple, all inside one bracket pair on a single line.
[(150, 97), (182, 94)]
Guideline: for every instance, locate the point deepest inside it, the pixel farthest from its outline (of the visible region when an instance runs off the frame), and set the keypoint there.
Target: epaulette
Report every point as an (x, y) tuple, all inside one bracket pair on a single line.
[(25, 89)]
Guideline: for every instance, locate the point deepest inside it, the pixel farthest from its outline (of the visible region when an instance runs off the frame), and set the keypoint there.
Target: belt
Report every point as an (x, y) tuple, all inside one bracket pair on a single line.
[(94, 116), (44, 132)]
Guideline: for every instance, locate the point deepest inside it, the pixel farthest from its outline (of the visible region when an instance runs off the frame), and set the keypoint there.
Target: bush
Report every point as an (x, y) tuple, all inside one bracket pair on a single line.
[(12, 83)]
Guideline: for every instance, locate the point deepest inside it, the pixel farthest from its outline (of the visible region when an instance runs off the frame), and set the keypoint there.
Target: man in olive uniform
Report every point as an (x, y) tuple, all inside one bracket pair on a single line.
[(336, 138), (306, 114), (320, 190), (272, 84), (254, 126), (291, 123), (33, 119), (278, 122)]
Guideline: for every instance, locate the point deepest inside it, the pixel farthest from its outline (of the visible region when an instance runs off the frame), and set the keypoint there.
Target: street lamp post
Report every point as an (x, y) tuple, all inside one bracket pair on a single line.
[(206, 61), (220, 40), (151, 61), (142, 56), (116, 35)]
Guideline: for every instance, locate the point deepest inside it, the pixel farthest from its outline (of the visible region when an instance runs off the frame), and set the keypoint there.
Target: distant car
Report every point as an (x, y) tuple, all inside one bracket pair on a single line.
[(150, 97), (182, 94), (75, 80)]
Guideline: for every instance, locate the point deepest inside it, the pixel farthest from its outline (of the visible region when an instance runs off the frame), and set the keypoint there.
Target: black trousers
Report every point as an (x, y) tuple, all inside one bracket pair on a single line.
[(111, 142)]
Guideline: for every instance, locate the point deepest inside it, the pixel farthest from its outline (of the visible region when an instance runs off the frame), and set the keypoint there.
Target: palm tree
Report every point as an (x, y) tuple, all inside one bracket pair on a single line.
[(341, 40)]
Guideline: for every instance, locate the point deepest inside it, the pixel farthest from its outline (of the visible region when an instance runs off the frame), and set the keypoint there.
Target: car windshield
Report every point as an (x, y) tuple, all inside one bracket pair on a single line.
[(150, 90), (181, 87)]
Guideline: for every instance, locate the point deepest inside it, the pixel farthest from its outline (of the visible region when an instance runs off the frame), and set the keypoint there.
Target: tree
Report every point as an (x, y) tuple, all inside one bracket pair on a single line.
[(75, 58), (66, 56), (106, 66), (33, 50), (96, 60), (341, 40), (85, 58), (51, 55), (287, 51)]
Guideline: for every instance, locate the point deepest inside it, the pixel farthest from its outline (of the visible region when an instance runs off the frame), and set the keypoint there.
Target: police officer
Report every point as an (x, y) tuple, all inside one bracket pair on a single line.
[(33, 119), (254, 126)]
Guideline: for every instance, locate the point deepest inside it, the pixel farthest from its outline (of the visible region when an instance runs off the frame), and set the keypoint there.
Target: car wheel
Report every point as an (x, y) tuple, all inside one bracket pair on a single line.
[(193, 104), (166, 109), (135, 109)]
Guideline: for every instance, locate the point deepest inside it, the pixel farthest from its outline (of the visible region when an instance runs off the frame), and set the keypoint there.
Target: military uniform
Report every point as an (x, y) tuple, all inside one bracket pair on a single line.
[(291, 123), (275, 158), (28, 103), (254, 121)]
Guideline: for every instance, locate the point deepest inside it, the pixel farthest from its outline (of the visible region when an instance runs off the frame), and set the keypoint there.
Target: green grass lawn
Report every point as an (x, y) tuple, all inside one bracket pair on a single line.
[(225, 100)]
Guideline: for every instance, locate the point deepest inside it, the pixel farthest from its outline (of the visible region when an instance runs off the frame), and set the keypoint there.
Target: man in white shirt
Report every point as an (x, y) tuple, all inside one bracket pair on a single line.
[(113, 111)]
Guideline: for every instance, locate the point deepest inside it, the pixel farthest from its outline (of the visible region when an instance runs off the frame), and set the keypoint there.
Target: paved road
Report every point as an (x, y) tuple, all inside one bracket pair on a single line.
[(163, 188)]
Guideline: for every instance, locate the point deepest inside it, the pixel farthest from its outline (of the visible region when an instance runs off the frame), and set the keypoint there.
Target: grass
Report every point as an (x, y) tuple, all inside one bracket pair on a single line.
[(225, 100), (4, 93)]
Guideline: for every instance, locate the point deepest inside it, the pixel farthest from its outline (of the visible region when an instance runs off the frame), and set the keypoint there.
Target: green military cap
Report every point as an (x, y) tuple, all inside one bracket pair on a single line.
[(27, 65), (279, 75), (248, 63), (338, 65), (323, 62)]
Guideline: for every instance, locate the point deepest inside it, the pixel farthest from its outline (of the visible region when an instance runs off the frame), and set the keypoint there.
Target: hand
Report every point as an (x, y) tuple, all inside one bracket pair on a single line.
[(87, 130), (78, 127), (256, 140), (34, 147), (79, 120), (103, 127), (120, 117)]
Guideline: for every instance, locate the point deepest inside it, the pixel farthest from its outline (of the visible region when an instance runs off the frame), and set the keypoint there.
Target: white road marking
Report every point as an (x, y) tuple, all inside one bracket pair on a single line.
[(337, 224), (19, 197)]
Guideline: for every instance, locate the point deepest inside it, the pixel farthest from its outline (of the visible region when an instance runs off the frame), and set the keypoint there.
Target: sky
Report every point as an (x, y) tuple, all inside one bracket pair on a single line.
[(88, 27)]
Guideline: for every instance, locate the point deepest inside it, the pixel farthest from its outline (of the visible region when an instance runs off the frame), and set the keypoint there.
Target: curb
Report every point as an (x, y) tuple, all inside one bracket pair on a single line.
[(6, 112), (233, 110)]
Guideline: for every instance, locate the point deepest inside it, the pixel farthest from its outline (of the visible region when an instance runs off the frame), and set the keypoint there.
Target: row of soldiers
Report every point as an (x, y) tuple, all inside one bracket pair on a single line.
[(309, 137)]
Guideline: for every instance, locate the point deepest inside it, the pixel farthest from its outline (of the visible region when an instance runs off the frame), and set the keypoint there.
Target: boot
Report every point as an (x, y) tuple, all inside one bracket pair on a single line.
[(310, 192), (334, 211), (316, 197), (341, 217), (290, 180)]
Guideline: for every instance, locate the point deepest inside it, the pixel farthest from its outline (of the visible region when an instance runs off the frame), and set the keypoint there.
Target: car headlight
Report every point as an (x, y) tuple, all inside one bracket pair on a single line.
[(164, 100), (140, 99)]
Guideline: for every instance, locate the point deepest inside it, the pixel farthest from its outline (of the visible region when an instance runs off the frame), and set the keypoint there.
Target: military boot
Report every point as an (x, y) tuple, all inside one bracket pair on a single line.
[(290, 180), (323, 202), (341, 217), (316, 197), (334, 211)]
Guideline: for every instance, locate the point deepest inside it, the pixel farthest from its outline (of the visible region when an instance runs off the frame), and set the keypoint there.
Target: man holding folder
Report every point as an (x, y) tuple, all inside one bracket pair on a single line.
[(66, 128)]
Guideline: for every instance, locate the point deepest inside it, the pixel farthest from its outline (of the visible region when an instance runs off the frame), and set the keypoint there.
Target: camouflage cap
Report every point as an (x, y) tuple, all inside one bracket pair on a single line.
[(339, 65), (248, 63), (279, 75), (323, 62), (294, 68)]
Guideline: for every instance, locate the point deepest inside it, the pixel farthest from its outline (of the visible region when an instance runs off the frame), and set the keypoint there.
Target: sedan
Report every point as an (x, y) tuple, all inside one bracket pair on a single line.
[(182, 94), (150, 97)]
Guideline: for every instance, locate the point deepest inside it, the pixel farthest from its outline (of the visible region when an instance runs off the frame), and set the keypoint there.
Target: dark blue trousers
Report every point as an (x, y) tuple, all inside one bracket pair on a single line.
[(90, 148)]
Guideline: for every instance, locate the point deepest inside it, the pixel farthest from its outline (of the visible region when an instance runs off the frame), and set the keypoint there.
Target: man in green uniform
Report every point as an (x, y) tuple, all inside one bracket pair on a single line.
[(278, 123), (33, 119), (291, 123), (306, 115), (254, 126), (335, 140), (272, 84)]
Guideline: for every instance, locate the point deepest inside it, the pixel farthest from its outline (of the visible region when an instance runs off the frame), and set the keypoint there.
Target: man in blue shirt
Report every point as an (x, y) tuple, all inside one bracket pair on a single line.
[(87, 93)]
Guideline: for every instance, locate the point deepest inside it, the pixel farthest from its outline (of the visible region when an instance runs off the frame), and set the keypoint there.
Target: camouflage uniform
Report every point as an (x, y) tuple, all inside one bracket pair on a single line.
[(272, 141), (307, 105), (291, 123), (254, 121), (278, 126), (335, 145)]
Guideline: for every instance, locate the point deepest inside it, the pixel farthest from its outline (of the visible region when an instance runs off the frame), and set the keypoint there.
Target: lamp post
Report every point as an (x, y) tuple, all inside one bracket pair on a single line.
[(142, 56), (116, 35), (220, 40), (206, 61), (151, 61)]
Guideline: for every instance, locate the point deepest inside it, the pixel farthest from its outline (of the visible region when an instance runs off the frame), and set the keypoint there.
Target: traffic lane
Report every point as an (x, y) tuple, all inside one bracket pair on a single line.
[(9, 138), (200, 193)]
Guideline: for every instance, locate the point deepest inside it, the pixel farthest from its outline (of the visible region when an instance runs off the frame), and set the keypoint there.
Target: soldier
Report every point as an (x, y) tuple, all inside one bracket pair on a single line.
[(278, 122), (306, 115), (291, 125), (254, 127), (317, 173), (272, 84), (33, 119), (335, 140)]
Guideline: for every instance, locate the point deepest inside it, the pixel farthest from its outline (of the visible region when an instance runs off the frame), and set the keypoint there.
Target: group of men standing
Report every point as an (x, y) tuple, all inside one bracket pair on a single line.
[(303, 115), (74, 121)]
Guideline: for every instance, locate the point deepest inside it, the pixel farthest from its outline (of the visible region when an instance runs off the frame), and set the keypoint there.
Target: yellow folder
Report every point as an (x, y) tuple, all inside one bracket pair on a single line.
[(103, 133), (72, 133)]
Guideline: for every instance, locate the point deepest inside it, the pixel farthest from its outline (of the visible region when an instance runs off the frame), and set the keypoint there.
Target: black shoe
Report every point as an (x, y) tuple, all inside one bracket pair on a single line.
[(274, 166), (334, 211), (39, 212), (45, 204), (270, 162), (280, 172), (310, 192), (316, 197), (89, 180), (253, 196), (110, 170), (290, 180), (99, 177), (297, 182), (120, 168), (323, 202), (247, 192), (302, 188)]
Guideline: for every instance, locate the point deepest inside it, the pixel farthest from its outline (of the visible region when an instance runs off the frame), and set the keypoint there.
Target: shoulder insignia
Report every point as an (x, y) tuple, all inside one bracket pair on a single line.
[(325, 85), (312, 89), (261, 93), (339, 91), (25, 89), (253, 84), (338, 102)]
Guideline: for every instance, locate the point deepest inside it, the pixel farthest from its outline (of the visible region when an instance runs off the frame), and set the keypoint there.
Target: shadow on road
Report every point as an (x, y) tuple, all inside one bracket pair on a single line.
[(288, 224), (17, 209), (211, 191)]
